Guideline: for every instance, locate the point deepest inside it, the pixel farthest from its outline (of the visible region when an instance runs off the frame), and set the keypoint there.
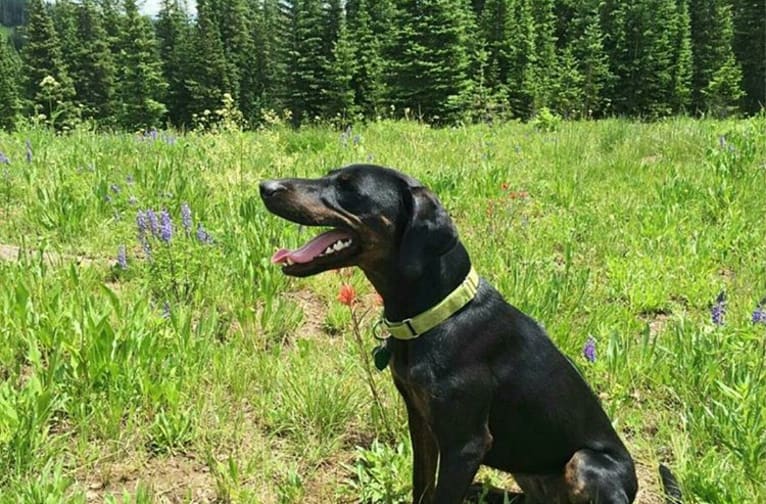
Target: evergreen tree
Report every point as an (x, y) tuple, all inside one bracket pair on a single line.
[(522, 47), (10, 106), (341, 68), (269, 28), (93, 69), (717, 75), (586, 40), (750, 48), (429, 61), (141, 86), (495, 28), (208, 79), (540, 74), (367, 80), (47, 85), (235, 25), (173, 37), (645, 58), (306, 65), (684, 60)]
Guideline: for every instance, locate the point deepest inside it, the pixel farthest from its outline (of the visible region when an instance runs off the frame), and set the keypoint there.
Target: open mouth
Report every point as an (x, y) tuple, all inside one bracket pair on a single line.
[(329, 249)]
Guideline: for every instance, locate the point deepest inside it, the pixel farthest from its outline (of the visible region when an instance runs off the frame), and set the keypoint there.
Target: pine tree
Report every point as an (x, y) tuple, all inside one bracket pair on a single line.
[(522, 47), (270, 77), (750, 48), (367, 80), (540, 74), (341, 68), (208, 79), (174, 39), (141, 86), (429, 61), (47, 85), (494, 25), (235, 23), (717, 75), (684, 60), (586, 41), (10, 106), (306, 65), (93, 69)]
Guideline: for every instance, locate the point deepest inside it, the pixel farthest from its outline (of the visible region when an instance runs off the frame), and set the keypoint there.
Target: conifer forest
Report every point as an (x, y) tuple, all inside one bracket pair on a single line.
[(440, 61)]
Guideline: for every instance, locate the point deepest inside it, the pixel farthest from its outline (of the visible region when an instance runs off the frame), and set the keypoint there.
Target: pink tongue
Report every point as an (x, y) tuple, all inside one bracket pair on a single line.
[(309, 251)]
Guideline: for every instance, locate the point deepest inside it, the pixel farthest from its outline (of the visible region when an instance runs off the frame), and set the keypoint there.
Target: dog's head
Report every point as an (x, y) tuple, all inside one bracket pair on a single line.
[(378, 219)]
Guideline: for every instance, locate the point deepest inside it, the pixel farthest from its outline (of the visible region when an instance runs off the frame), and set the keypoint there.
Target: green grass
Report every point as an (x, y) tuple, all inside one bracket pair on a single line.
[(205, 372)]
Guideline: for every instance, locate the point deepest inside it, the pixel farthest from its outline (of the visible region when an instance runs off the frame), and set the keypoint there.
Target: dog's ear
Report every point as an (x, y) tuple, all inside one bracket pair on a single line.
[(429, 232)]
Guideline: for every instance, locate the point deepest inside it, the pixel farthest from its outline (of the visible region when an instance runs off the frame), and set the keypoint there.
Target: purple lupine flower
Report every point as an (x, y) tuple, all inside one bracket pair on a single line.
[(141, 224), (28, 146), (166, 227), (202, 235), (151, 134), (4, 159), (759, 314), (170, 139), (186, 217), (589, 350), (122, 257), (166, 310), (718, 310), (154, 223)]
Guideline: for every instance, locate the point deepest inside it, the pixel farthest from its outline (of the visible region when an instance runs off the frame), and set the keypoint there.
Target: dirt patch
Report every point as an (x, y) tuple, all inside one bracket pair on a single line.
[(171, 479), (657, 320), (649, 489), (13, 252)]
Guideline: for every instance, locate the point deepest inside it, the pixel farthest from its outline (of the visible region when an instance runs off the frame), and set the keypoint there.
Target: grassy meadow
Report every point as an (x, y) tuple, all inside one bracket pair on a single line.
[(191, 370)]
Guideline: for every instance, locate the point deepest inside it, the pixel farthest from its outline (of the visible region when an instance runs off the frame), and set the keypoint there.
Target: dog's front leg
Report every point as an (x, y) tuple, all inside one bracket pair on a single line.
[(425, 453), (463, 441)]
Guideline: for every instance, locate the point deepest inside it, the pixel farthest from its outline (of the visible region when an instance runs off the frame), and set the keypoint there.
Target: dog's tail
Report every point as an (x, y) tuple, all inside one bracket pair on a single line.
[(670, 485)]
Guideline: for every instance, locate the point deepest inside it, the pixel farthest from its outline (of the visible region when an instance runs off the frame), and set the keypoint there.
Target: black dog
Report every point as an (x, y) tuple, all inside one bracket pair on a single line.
[(485, 385)]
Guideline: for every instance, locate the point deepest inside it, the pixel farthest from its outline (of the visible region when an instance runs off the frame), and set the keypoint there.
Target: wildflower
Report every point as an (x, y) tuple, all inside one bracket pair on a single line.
[(166, 227), (122, 257), (146, 247), (347, 294), (154, 224), (718, 310), (152, 134), (370, 157), (28, 146), (114, 188), (589, 350), (356, 140), (141, 224), (132, 200), (722, 141), (759, 314), (186, 217), (166, 310), (4, 159), (504, 186), (129, 179), (202, 235)]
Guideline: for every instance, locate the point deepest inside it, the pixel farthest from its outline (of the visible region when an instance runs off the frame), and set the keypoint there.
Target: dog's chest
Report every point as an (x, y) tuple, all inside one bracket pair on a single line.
[(414, 379)]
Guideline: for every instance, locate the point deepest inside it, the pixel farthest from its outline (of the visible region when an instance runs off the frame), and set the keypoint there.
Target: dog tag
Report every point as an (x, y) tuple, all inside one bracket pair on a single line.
[(381, 355)]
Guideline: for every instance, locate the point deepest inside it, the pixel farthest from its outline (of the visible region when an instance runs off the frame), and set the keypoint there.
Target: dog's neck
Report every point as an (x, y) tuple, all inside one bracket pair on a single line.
[(405, 297)]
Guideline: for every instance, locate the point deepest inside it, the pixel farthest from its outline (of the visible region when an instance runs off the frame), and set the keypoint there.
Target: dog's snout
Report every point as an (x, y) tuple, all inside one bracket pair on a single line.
[(271, 187)]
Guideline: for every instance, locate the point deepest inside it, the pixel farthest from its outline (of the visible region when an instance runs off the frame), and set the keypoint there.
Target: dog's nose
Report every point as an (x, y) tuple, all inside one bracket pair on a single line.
[(270, 187)]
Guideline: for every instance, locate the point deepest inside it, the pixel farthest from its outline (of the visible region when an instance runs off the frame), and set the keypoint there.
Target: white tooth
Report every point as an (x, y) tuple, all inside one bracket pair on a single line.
[(347, 243), (328, 250), (337, 246)]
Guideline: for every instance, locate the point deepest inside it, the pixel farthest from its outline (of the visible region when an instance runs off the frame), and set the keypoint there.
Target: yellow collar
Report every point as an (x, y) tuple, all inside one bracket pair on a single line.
[(413, 327)]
